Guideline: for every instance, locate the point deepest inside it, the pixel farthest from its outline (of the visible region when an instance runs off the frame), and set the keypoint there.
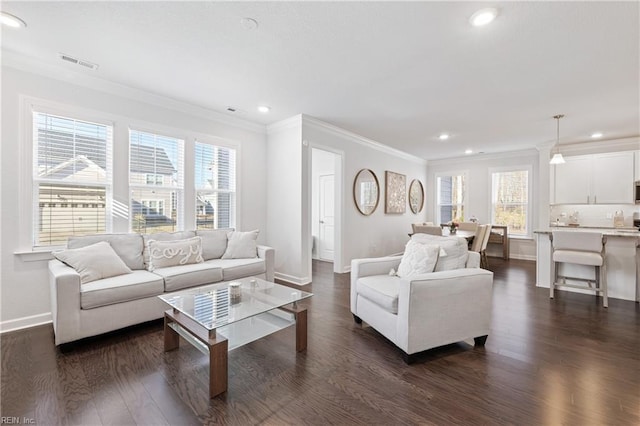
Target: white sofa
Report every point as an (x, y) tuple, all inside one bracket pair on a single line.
[(429, 310), (83, 310)]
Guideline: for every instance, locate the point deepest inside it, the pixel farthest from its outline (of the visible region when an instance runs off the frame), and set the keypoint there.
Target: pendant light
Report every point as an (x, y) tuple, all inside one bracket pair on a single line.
[(557, 157)]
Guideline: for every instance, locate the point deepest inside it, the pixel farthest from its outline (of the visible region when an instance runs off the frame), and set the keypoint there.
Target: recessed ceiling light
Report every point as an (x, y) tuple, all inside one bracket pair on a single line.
[(249, 23), (264, 109), (596, 135), (468, 151), (11, 21), (443, 136), (483, 17)]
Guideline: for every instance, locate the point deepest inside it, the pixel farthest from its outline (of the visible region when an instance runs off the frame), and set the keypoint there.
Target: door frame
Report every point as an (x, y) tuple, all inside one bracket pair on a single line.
[(338, 261)]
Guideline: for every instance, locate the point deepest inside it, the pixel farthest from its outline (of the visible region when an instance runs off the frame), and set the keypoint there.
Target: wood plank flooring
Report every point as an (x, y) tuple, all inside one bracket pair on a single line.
[(546, 362)]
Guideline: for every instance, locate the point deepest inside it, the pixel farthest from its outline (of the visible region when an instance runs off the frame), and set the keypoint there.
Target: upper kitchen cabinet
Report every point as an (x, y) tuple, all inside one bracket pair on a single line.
[(595, 179)]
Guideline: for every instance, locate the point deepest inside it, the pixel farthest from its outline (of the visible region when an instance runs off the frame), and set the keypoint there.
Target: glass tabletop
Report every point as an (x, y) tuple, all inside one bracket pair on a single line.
[(220, 304)]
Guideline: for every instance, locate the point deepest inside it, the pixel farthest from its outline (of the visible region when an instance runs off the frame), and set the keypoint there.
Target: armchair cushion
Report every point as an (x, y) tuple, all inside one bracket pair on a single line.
[(418, 259), (381, 290)]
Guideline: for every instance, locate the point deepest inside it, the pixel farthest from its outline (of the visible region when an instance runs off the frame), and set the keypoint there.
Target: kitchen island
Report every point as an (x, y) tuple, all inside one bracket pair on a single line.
[(622, 261)]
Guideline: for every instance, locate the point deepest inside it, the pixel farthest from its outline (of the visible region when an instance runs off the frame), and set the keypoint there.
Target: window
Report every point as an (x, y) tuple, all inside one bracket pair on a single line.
[(71, 178), (215, 181), (154, 179), (450, 198), (156, 182), (510, 200)]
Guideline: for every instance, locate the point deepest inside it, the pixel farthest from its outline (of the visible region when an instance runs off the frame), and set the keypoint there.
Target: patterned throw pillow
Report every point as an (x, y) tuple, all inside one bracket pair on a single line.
[(418, 259), (163, 254)]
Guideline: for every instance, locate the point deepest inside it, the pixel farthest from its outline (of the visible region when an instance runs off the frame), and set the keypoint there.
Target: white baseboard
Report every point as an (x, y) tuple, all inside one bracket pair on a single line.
[(292, 279), (25, 322)]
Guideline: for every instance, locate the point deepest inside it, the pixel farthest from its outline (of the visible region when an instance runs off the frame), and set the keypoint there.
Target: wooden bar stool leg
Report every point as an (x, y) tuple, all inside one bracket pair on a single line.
[(605, 296)]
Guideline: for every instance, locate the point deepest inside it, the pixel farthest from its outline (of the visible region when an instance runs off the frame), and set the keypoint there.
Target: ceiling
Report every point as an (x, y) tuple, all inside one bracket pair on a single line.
[(399, 73)]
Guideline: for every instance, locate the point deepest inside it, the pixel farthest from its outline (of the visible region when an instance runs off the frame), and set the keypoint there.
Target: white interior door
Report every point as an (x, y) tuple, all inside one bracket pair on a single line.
[(326, 217)]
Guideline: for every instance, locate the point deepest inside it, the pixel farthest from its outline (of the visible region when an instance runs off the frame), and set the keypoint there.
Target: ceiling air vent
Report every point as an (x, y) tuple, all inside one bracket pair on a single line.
[(77, 61)]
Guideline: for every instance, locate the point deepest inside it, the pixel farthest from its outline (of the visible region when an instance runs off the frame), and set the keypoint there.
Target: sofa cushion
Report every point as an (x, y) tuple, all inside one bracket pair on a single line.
[(163, 254), (456, 249), (93, 262), (381, 290), (163, 236), (214, 242), (128, 246), (418, 259), (239, 268), (136, 285), (241, 245), (184, 276)]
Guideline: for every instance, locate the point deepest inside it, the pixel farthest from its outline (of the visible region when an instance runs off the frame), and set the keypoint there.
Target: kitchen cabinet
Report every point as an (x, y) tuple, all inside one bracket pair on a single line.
[(595, 179)]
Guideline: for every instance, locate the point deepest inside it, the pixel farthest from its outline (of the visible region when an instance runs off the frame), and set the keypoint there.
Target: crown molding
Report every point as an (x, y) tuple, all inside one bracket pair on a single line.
[(369, 143), (12, 59), (532, 152)]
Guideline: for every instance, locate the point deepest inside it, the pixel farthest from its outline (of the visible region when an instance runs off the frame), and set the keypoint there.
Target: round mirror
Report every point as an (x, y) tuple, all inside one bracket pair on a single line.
[(416, 196), (366, 191)]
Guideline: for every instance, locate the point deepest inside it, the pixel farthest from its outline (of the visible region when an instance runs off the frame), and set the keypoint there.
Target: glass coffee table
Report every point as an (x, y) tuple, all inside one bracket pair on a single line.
[(220, 317)]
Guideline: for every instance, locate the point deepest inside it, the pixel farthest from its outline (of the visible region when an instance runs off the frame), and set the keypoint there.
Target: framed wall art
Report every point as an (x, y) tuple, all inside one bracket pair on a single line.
[(395, 194), (416, 196)]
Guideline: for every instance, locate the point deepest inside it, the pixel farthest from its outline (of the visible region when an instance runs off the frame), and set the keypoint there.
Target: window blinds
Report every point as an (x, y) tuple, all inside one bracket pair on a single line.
[(156, 170), (71, 177), (215, 182)]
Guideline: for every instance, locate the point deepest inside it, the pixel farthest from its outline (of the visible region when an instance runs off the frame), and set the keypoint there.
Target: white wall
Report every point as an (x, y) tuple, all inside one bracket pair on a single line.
[(284, 192), (363, 236), (24, 290), (478, 169)]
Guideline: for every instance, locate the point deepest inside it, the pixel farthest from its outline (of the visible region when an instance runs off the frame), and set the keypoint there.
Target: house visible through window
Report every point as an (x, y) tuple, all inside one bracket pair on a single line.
[(510, 200), (450, 198), (71, 178), (156, 182), (215, 181)]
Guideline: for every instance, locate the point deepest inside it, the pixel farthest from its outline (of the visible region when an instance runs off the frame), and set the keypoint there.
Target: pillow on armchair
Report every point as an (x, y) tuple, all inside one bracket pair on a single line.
[(418, 259)]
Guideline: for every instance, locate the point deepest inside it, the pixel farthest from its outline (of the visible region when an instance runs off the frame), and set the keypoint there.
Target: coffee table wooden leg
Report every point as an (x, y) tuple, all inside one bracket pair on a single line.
[(171, 337), (218, 369), (301, 330)]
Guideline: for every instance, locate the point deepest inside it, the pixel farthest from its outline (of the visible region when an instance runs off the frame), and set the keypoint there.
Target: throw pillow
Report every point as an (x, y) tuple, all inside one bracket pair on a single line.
[(163, 254), (93, 262), (456, 248), (242, 245), (214, 242), (418, 259)]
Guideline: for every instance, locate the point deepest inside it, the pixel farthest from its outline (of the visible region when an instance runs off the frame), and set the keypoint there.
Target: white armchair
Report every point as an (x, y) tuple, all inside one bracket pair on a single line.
[(423, 311)]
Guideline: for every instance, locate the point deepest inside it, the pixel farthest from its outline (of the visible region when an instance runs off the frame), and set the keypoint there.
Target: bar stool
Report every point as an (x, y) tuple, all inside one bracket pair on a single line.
[(580, 248)]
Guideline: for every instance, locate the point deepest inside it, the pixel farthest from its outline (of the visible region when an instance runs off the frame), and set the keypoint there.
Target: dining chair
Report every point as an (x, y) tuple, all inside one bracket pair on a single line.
[(413, 225), (476, 244), (580, 248), (427, 229), (484, 261), (468, 226)]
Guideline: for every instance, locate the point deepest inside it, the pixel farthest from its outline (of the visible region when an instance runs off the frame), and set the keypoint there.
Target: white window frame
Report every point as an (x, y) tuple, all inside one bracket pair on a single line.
[(529, 211), (161, 207), (31, 106), (437, 205), (178, 188)]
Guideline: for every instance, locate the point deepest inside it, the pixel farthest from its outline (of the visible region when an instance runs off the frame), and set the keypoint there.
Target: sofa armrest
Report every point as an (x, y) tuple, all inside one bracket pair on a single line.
[(367, 267), (64, 283), (473, 261), (269, 256), (455, 303)]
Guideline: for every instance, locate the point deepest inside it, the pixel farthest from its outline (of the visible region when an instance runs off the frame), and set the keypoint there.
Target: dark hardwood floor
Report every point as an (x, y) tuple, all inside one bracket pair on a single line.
[(546, 362)]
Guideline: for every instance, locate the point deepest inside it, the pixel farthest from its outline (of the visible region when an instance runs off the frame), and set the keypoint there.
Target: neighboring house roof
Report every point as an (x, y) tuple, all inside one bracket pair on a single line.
[(142, 160), (72, 168), (67, 149)]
